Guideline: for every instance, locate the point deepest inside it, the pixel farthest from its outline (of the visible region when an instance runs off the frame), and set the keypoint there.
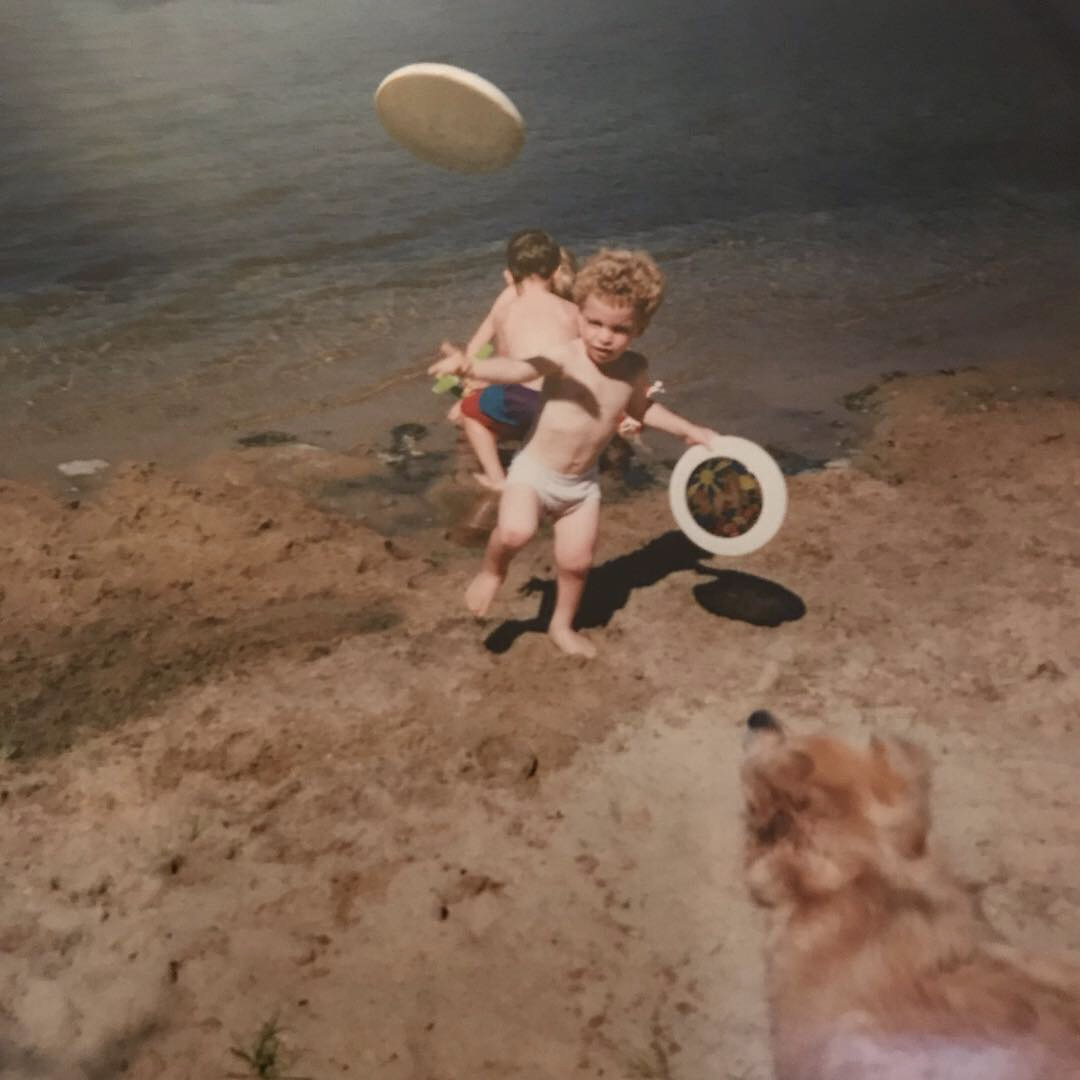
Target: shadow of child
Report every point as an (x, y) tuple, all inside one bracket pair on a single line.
[(731, 594)]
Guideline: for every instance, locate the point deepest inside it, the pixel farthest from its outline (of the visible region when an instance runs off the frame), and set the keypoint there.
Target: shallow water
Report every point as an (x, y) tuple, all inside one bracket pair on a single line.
[(207, 233)]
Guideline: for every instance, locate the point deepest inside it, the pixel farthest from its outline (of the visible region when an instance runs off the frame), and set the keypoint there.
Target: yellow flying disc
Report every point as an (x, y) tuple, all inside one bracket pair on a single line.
[(450, 117), (729, 497)]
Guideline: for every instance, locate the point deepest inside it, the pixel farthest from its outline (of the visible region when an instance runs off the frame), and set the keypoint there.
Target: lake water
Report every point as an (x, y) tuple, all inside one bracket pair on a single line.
[(205, 231)]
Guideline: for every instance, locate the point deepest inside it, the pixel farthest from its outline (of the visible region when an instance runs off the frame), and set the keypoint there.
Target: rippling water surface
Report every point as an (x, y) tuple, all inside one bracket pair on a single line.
[(205, 230)]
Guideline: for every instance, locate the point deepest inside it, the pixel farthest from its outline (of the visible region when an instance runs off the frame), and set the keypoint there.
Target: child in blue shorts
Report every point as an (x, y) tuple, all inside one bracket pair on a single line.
[(527, 319)]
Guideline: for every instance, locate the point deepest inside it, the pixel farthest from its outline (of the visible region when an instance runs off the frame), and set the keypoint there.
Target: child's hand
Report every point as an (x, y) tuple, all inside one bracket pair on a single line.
[(700, 436), (454, 362)]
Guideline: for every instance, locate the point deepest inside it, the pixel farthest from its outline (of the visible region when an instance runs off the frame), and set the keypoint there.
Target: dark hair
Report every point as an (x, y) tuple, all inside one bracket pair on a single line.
[(530, 252)]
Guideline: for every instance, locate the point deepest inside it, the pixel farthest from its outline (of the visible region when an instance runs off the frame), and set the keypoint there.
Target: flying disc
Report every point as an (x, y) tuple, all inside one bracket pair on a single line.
[(728, 497), (450, 117)]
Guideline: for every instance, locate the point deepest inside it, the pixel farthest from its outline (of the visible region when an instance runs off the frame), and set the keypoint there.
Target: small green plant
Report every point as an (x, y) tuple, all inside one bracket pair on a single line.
[(265, 1058)]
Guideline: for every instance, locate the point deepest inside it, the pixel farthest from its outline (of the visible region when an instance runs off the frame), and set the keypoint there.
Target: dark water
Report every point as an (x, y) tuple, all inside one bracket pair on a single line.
[(205, 231)]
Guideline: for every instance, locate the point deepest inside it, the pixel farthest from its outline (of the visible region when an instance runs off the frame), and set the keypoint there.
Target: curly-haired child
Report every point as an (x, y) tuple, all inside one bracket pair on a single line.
[(588, 386)]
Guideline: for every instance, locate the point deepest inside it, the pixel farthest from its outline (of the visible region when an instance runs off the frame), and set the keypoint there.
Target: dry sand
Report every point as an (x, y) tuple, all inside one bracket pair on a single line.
[(260, 766)]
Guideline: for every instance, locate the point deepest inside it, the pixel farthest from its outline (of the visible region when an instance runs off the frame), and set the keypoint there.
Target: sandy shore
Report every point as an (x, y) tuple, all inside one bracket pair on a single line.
[(260, 767)]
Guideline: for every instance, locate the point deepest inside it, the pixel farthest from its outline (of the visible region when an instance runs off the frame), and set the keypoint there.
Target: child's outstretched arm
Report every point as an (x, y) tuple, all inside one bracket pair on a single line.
[(652, 414), (499, 369), (663, 419)]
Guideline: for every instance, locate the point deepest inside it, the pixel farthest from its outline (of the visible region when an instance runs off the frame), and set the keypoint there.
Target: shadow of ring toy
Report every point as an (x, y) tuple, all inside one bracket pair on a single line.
[(729, 497)]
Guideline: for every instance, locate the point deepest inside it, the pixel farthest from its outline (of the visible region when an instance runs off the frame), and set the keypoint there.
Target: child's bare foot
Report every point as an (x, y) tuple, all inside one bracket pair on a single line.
[(486, 482), (481, 592), (570, 641)]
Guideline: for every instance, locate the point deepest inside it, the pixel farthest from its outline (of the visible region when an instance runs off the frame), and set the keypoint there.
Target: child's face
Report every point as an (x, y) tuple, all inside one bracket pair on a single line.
[(606, 328)]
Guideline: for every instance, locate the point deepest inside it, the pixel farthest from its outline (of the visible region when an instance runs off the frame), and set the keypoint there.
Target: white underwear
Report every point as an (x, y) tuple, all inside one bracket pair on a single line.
[(558, 494)]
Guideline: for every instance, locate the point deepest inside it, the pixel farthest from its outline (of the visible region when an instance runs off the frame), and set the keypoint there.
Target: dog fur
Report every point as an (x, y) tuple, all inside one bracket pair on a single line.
[(879, 964)]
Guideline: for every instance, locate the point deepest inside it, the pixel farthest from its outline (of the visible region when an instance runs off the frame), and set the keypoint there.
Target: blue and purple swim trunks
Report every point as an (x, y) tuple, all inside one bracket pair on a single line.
[(506, 410)]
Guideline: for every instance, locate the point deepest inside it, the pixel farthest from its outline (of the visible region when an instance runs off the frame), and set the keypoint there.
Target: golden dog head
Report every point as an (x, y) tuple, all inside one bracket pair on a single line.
[(821, 813)]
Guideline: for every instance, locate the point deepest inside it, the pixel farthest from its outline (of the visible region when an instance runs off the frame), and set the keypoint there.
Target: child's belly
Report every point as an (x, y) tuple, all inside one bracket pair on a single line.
[(568, 439)]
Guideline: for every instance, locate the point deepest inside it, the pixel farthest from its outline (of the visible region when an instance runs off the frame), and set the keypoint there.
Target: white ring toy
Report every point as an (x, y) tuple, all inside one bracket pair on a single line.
[(747, 458)]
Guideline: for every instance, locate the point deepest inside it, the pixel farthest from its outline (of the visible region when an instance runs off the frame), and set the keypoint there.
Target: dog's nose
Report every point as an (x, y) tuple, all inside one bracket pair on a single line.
[(762, 720)]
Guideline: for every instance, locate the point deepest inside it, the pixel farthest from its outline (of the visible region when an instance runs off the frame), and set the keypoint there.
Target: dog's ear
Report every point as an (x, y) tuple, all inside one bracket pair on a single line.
[(901, 784)]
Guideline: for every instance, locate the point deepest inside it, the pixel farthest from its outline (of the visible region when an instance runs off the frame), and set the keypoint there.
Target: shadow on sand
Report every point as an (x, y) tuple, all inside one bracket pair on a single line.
[(730, 593)]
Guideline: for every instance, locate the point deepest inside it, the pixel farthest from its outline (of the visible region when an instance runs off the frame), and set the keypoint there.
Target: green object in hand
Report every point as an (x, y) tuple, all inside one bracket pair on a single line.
[(448, 384), (452, 384)]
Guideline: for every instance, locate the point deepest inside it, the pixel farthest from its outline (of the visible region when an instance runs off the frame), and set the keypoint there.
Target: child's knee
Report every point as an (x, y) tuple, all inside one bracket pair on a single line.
[(576, 562), (515, 535)]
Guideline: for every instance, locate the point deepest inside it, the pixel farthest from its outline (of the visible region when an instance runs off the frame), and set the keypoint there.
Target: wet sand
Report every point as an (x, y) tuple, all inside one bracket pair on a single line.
[(259, 766)]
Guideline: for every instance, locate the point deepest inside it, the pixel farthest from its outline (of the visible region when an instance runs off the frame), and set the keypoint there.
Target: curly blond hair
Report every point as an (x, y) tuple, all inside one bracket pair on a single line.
[(623, 277)]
